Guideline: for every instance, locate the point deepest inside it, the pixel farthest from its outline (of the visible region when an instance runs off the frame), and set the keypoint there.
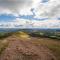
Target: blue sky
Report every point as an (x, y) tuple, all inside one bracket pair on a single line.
[(10, 17), (44, 1), (39, 10), (5, 17)]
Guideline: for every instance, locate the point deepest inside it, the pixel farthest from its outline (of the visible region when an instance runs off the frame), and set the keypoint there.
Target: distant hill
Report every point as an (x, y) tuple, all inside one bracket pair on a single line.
[(27, 30)]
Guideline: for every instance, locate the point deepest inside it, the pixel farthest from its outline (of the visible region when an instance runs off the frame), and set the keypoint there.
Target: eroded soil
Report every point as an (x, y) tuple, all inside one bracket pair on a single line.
[(19, 49)]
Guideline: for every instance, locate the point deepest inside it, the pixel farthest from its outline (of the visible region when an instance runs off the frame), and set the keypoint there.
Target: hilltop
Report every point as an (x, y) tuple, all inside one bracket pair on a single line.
[(28, 45)]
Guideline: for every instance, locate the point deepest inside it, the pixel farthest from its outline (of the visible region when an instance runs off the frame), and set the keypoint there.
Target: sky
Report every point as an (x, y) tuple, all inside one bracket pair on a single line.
[(37, 13)]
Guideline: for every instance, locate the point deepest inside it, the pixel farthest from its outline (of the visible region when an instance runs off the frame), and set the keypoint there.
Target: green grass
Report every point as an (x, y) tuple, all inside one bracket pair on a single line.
[(4, 34), (52, 35)]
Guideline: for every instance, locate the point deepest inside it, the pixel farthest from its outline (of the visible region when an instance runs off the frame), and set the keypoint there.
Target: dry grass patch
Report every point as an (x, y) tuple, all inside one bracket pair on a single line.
[(3, 45), (22, 35), (53, 45)]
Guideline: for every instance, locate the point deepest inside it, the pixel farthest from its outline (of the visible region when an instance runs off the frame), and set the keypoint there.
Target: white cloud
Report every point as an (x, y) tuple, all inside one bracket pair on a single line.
[(51, 9), (23, 23), (15, 6)]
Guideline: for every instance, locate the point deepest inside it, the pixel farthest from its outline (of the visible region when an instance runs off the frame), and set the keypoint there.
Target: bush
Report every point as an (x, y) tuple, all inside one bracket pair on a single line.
[(4, 34)]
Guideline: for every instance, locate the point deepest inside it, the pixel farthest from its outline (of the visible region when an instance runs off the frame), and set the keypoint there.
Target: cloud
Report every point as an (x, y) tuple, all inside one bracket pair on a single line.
[(51, 9), (55, 9), (31, 24), (42, 8), (15, 6), (34, 9)]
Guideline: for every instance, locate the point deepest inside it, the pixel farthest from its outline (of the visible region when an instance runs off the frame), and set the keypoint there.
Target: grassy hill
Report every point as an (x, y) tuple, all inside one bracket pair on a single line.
[(50, 39)]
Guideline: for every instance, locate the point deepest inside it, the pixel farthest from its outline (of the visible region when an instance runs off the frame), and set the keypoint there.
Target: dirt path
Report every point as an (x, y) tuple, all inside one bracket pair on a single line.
[(25, 50)]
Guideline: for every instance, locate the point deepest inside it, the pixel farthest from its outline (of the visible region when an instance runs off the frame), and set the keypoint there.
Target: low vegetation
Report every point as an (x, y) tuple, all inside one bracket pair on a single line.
[(49, 39), (52, 35), (3, 45), (22, 35), (5, 34), (53, 45), (3, 41)]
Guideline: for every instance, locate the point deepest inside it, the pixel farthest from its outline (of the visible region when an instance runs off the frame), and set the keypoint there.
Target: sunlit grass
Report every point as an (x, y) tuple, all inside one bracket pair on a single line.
[(22, 35), (3, 45)]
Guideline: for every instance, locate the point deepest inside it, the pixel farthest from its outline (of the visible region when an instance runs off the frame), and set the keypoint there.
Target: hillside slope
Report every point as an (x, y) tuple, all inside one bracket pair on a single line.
[(19, 49)]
